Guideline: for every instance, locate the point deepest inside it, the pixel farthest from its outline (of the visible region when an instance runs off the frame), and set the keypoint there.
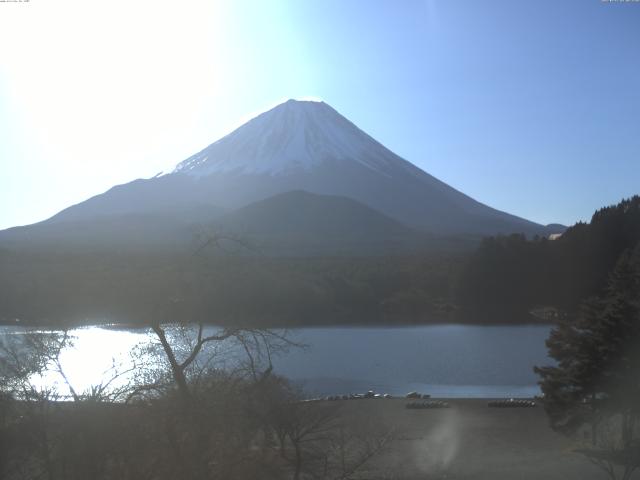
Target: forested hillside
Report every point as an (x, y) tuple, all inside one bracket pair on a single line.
[(500, 282), (510, 275), (224, 288)]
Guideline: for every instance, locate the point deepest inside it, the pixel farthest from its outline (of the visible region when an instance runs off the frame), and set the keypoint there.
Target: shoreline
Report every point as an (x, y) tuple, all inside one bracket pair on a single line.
[(284, 326)]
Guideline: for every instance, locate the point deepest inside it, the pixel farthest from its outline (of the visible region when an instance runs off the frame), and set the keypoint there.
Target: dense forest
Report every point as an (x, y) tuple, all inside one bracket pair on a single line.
[(226, 289), (502, 281), (511, 275)]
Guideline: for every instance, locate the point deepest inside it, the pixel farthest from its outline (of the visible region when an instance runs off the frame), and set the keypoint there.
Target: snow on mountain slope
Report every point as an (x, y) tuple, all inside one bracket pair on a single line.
[(303, 145), (296, 135)]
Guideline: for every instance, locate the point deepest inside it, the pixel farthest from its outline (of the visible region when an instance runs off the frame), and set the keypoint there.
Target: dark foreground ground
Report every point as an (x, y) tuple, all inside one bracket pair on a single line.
[(470, 441)]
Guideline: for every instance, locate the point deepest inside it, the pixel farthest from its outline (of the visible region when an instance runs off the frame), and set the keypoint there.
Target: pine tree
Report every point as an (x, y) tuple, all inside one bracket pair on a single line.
[(596, 380)]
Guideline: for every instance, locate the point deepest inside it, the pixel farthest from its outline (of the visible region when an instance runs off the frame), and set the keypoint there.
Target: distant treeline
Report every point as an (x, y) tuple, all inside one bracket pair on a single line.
[(500, 282), (72, 289), (510, 275)]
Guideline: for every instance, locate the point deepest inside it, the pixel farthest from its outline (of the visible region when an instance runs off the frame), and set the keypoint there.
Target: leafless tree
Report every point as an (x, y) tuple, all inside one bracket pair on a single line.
[(318, 440), (615, 450)]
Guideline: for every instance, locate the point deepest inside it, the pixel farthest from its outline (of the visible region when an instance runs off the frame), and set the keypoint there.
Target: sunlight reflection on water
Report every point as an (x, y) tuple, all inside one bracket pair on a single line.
[(96, 355), (446, 360)]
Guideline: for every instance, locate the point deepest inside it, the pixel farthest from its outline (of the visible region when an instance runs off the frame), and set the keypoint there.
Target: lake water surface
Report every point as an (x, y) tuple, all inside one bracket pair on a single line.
[(443, 360)]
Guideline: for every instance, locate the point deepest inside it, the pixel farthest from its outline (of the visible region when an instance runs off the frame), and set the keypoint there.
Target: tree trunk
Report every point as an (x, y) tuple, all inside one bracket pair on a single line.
[(176, 370), (298, 464)]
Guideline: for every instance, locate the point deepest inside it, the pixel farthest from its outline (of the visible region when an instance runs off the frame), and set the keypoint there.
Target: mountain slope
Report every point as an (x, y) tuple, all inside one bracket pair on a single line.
[(303, 223), (305, 146), (115, 232)]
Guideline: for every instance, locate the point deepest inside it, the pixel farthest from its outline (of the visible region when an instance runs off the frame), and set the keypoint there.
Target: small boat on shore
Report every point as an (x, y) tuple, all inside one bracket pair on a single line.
[(427, 405), (512, 403)]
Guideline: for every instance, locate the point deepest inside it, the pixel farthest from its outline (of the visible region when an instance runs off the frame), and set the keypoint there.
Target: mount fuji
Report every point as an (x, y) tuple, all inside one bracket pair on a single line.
[(298, 146)]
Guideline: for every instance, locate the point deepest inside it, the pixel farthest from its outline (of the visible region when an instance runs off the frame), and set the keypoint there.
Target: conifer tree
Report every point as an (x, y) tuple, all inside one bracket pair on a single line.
[(596, 380)]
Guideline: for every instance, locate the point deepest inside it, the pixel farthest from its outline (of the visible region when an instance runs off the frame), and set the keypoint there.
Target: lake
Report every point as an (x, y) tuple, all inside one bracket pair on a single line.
[(442, 360)]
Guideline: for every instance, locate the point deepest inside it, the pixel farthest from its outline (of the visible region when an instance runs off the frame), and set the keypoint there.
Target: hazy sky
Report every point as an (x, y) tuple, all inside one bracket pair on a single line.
[(528, 106)]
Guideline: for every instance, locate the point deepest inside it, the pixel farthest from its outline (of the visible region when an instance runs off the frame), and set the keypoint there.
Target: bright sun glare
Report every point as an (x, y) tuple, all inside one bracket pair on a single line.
[(107, 94)]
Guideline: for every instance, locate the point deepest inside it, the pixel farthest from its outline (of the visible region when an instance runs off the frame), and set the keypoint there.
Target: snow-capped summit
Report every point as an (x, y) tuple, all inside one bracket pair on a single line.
[(295, 135), (303, 146)]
